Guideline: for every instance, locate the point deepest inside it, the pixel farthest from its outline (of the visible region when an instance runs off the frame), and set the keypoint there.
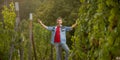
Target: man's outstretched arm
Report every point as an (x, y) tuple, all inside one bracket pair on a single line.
[(42, 23), (74, 25)]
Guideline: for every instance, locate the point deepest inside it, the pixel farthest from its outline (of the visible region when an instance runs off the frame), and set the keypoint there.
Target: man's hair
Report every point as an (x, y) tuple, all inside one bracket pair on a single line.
[(59, 18)]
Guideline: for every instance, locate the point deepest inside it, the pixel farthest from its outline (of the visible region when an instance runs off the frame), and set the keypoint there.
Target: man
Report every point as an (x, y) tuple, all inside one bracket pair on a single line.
[(59, 36)]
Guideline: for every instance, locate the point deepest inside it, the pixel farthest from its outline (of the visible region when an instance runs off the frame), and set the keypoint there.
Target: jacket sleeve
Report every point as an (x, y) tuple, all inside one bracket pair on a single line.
[(68, 28), (50, 28)]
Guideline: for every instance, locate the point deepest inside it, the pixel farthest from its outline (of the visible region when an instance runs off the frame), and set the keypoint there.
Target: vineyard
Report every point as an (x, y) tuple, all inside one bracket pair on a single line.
[(96, 36)]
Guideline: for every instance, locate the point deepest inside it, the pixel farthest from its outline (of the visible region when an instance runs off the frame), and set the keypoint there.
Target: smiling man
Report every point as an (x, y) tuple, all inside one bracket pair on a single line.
[(59, 36)]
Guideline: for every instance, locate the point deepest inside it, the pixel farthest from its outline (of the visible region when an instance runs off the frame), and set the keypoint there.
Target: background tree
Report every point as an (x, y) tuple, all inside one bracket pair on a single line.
[(6, 33), (96, 37)]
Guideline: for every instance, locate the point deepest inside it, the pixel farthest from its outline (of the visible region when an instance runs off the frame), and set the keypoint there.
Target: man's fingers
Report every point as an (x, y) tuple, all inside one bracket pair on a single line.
[(39, 21), (76, 22)]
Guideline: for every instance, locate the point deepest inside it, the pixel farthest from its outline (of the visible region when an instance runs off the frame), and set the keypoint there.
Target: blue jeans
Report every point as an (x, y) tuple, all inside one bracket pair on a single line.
[(65, 47)]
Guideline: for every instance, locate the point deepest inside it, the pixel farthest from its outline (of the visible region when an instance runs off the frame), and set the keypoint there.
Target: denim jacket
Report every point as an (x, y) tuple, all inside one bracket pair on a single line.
[(63, 30)]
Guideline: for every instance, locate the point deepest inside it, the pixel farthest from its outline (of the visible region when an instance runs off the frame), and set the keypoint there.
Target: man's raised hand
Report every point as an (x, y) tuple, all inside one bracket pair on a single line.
[(42, 23), (39, 21)]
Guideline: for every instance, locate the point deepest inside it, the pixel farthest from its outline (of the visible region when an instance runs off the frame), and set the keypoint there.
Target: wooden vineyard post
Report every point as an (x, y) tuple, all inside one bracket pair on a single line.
[(21, 50), (31, 42)]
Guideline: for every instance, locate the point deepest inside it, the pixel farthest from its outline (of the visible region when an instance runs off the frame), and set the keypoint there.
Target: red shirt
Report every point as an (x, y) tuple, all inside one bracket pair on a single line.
[(57, 35)]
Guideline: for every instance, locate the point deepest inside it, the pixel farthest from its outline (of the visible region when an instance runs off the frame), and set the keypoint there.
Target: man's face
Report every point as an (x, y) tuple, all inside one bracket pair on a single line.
[(59, 22)]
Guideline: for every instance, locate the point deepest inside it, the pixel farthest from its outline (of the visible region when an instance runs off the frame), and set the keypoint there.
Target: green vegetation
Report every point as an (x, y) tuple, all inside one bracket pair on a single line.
[(6, 30), (97, 35), (95, 38)]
